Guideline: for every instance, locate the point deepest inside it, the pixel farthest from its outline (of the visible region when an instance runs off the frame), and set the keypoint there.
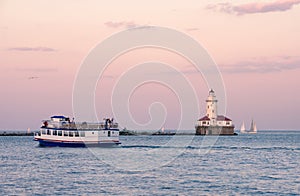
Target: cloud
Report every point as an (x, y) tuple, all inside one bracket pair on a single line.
[(108, 76), (192, 29), (35, 69), (3, 27), (121, 24), (253, 8), (263, 65), (256, 65), (32, 49)]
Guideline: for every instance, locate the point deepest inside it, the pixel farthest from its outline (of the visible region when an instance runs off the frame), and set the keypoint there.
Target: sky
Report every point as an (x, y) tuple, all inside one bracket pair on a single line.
[(255, 44)]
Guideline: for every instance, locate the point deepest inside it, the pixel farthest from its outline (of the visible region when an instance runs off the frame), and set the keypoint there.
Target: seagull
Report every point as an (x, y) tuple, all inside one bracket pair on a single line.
[(33, 77)]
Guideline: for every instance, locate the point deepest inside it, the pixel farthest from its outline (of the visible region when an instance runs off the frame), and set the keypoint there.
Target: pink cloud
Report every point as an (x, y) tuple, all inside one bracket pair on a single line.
[(33, 49), (263, 65), (253, 8), (126, 24)]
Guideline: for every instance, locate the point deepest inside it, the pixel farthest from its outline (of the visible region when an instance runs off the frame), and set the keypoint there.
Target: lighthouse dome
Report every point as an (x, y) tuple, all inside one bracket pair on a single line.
[(211, 96)]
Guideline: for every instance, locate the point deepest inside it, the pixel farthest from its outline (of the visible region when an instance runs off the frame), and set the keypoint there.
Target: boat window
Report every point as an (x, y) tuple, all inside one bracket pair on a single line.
[(66, 133), (71, 133), (54, 132), (59, 133), (76, 134), (82, 134), (48, 132), (108, 133), (92, 132), (44, 132)]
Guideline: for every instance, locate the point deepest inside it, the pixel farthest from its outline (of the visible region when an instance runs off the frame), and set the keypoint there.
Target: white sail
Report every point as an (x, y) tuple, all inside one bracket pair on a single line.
[(243, 129), (253, 128)]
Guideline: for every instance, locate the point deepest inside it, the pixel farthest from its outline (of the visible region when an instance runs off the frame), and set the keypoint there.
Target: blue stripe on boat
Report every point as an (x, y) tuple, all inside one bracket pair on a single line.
[(49, 143)]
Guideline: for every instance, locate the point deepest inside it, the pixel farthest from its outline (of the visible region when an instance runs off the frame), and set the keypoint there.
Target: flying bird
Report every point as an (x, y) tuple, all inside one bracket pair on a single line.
[(33, 77)]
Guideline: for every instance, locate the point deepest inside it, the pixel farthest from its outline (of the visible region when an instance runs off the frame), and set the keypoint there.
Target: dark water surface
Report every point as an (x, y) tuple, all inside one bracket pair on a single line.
[(264, 163)]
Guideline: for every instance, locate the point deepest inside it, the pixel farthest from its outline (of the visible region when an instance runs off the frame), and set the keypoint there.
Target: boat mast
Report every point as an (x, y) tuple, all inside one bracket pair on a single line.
[(252, 126)]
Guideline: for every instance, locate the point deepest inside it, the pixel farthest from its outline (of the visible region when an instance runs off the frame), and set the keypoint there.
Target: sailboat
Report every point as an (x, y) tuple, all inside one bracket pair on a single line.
[(243, 129), (252, 129), (163, 132)]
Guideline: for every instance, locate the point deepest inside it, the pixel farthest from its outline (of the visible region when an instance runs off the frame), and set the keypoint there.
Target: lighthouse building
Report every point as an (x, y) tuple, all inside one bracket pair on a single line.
[(212, 123)]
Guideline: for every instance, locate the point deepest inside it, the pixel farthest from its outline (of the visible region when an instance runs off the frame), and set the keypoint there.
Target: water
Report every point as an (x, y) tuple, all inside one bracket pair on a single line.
[(264, 163)]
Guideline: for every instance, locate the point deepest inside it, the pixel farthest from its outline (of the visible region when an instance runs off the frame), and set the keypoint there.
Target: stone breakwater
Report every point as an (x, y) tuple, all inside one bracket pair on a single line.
[(16, 133)]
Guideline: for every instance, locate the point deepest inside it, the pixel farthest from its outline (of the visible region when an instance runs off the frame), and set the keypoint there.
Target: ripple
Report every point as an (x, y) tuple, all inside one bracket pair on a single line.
[(262, 164)]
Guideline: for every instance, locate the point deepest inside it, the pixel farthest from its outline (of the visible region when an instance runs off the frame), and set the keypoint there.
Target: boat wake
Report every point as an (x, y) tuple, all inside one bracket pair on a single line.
[(212, 147)]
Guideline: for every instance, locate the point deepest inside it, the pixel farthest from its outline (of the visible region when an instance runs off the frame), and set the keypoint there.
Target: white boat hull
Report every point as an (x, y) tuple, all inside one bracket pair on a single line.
[(61, 143)]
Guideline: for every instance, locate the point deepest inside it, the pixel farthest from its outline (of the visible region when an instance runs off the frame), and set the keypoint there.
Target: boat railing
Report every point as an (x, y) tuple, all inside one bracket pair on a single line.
[(96, 125), (81, 125)]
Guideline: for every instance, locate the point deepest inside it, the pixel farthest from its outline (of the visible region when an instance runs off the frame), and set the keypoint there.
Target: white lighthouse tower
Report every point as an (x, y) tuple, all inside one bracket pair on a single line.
[(211, 108)]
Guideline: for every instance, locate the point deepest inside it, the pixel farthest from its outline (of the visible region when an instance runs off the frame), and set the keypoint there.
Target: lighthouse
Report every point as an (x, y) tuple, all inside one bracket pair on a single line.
[(212, 123)]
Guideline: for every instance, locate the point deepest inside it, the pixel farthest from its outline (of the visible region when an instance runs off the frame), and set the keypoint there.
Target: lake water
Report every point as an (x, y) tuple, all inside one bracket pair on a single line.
[(263, 163)]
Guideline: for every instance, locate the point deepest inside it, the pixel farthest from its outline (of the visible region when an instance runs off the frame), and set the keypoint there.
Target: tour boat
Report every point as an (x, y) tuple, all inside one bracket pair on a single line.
[(61, 131)]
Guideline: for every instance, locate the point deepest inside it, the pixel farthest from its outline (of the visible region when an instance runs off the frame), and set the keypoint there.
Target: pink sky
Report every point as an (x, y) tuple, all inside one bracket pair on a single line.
[(256, 45)]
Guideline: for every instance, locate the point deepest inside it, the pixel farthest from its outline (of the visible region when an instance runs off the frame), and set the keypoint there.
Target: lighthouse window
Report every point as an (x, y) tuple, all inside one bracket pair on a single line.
[(82, 134), (76, 134)]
